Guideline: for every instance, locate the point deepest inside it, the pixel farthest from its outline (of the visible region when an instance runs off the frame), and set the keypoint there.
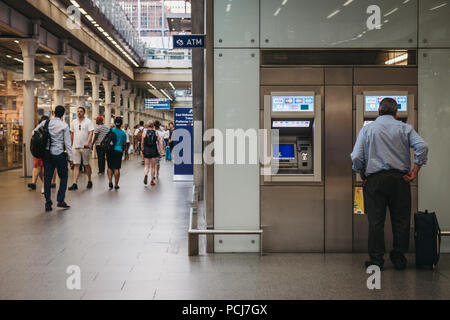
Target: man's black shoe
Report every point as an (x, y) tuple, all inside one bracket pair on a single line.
[(48, 207), (32, 186), (89, 185), (110, 185), (371, 263), (63, 205), (399, 261), (116, 187), (73, 187)]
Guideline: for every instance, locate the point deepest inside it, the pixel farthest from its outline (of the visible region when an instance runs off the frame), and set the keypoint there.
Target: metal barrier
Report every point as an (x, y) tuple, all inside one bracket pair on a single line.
[(193, 233)]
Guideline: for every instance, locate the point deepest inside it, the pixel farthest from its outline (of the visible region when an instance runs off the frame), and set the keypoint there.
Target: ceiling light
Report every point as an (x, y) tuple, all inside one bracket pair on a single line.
[(18, 60), (83, 11), (347, 3), (331, 15), (47, 56), (277, 12), (75, 3), (89, 18), (391, 12), (398, 59), (439, 6), (171, 84), (100, 29), (16, 41), (45, 70), (8, 56)]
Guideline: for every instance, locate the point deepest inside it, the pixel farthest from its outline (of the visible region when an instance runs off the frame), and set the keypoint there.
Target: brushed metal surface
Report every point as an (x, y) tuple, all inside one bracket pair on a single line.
[(338, 76), (292, 218), (292, 76), (338, 171), (385, 76)]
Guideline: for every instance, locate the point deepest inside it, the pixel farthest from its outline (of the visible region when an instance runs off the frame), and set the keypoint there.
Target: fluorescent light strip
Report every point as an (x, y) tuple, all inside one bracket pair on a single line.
[(8, 56), (439, 6), (75, 3), (171, 84), (277, 12), (397, 59), (333, 14), (228, 8), (45, 70), (285, 1), (83, 11), (18, 60), (347, 3), (391, 12), (89, 18)]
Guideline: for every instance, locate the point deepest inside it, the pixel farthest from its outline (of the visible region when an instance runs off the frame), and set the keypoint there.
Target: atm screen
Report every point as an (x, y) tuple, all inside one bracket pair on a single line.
[(290, 124), (292, 104), (373, 102), (284, 151)]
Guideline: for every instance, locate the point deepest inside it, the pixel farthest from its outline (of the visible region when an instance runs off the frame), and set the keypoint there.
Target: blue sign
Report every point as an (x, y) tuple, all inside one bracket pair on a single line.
[(184, 135), (189, 41), (157, 104)]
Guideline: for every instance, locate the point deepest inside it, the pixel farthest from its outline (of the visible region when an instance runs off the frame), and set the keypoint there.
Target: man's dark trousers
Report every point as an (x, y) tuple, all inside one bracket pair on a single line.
[(50, 163), (101, 159), (387, 189)]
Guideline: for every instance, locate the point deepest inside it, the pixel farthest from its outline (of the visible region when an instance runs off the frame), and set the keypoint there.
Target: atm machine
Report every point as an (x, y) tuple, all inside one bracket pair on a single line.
[(293, 124)]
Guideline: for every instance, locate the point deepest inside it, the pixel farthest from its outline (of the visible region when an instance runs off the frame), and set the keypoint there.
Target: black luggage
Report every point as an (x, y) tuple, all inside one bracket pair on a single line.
[(39, 141), (427, 235)]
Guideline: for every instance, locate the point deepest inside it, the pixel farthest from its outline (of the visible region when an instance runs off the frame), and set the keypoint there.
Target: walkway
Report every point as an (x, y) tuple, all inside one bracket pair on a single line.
[(132, 244)]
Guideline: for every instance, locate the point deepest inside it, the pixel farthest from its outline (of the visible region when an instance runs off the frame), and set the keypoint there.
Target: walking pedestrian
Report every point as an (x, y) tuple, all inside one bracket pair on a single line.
[(150, 152), (99, 134), (114, 157)]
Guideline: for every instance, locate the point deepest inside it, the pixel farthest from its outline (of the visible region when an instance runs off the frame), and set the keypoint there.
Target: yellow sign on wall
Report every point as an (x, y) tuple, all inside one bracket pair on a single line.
[(358, 202)]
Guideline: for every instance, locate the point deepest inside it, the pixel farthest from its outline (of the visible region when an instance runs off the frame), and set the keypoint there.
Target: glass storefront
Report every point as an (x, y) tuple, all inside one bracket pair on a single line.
[(11, 119)]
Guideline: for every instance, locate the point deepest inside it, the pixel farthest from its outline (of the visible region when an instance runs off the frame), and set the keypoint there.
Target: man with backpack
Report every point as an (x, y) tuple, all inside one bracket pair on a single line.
[(55, 138)]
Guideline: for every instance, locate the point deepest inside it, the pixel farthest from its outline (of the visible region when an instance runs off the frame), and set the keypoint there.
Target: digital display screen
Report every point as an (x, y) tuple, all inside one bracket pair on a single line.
[(373, 102), (292, 104), (284, 151), (290, 124)]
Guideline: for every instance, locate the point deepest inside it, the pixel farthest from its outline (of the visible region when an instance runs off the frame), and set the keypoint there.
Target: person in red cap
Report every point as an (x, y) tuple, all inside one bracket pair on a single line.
[(99, 133)]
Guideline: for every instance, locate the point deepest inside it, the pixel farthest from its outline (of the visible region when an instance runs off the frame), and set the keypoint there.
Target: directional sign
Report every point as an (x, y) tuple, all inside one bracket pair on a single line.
[(189, 41), (157, 104)]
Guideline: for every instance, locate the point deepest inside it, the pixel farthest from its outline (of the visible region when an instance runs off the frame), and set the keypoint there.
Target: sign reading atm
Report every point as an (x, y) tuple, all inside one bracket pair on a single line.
[(157, 104)]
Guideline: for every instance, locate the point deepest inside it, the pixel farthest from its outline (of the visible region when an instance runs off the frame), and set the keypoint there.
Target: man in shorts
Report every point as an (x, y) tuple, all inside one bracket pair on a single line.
[(82, 132)]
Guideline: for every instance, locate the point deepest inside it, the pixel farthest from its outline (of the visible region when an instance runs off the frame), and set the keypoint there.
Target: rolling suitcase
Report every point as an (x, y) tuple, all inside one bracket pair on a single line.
[(427, 236)]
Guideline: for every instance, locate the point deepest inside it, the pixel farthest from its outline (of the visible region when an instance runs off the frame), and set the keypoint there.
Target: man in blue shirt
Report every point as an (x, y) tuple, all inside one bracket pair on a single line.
[(114, 158), (381, 156)]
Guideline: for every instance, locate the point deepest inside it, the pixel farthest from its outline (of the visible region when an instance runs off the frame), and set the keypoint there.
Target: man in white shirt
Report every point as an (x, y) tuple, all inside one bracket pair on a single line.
[(82, 131)]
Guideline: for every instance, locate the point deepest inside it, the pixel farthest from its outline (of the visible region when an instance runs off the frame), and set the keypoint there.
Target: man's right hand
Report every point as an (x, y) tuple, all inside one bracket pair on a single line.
[(410, 176), (71, 163)]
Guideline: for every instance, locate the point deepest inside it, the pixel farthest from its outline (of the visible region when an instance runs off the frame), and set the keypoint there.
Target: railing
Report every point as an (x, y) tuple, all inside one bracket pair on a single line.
[(193, 232), (112, 10)]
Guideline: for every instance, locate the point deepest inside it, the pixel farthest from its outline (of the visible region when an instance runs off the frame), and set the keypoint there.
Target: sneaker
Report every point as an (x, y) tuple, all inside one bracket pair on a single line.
[(48, 207), (63, 205), (371, 263), (153, 182), (110, 185), (100, 173), (73, 187), (89, 185), (116, 187), (145, 179), (53, 186), (32, 186), (398, 260)]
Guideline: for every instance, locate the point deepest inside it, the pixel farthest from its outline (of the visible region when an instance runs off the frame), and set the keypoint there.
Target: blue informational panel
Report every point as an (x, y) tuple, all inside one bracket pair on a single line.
[(157, 104), (183, 136), (373, 102), (189, 41), (292, 104)]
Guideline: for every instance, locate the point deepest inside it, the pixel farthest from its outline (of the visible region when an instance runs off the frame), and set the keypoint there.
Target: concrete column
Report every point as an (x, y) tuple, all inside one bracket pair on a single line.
[(79, 97), (117, 99), (95, 81), (58, 62), (125, 96), (108, 84), (132, 110), (28, 47)]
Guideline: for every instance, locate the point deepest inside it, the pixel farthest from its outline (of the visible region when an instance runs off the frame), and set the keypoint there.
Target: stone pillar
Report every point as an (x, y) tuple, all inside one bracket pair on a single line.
[(132, 110), (79, 97), (58, 62), (117, 102), (28, 47), (108, 84), (95, 81), (125, 96)]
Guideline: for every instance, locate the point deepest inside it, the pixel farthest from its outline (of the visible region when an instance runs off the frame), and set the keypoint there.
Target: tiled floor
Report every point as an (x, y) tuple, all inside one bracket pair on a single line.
[(132, 244)]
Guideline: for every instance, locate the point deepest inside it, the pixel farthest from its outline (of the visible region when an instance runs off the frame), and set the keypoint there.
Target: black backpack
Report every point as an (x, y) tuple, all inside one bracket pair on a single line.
[(109, 141), (39, 140), (150, 139)]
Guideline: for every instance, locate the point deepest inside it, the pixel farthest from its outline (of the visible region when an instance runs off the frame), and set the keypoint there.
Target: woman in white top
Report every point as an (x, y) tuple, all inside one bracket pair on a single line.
[(127, 130)]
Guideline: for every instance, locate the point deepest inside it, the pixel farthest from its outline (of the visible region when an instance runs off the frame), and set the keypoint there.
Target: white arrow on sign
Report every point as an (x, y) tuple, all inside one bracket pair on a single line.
[(180, 42)]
